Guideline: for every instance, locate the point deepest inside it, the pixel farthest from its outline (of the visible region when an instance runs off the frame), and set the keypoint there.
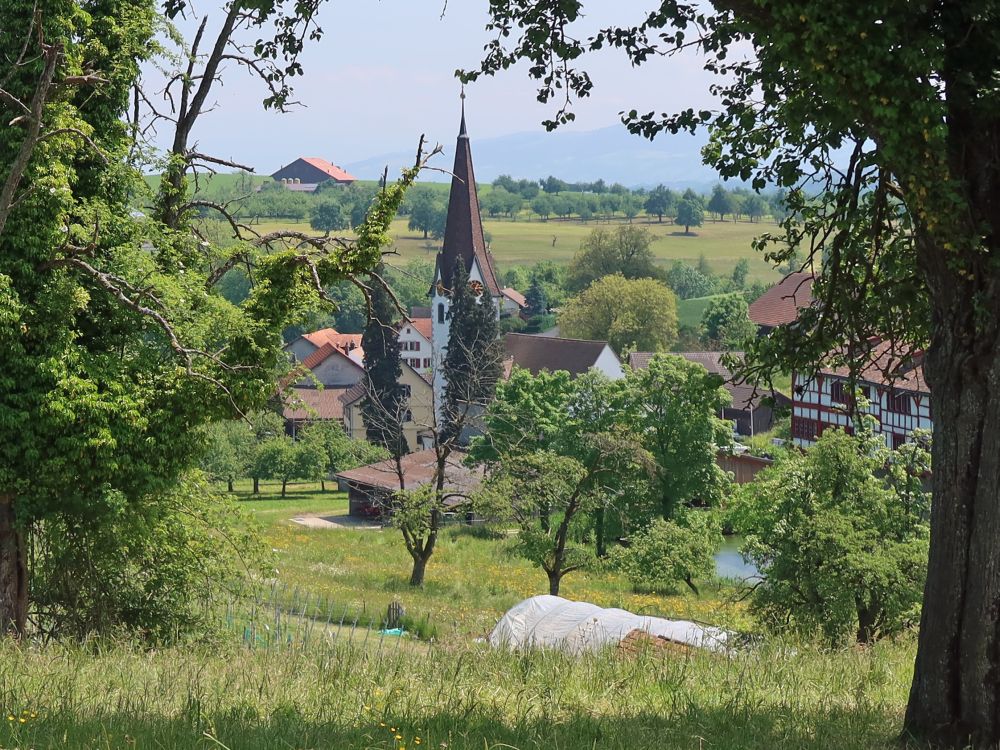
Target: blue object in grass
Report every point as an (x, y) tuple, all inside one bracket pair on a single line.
[(392, 631)]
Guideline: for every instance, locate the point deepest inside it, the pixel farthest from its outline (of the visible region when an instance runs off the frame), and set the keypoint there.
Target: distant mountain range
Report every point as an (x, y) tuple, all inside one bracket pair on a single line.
[(611, 154)]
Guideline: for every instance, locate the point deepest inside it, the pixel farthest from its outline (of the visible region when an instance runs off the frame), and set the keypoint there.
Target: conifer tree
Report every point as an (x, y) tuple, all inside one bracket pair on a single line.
[(473, 360), (537, 302), (384, 405)]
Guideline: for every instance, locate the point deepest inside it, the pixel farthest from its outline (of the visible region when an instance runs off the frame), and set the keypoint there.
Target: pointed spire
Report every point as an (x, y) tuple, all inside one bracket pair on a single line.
[(463, 235)]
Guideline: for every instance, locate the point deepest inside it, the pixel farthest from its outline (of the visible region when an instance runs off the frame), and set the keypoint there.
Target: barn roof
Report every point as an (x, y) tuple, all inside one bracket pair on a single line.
[(304, 404), (419, 468), (537, 353), (781, 303), (330, 169), (463, 234), (886, 369)]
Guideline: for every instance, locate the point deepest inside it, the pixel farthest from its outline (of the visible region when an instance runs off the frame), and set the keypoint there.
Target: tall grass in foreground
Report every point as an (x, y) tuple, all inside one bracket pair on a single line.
[(414, 695)]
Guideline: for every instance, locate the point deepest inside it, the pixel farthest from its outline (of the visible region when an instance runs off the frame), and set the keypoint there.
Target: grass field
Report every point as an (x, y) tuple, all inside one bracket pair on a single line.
[(527, 242), (471, 580), (690, 311), (457, 693)]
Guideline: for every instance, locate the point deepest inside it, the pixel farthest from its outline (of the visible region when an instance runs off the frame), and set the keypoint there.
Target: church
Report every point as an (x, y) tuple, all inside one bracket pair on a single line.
[(463, 238)]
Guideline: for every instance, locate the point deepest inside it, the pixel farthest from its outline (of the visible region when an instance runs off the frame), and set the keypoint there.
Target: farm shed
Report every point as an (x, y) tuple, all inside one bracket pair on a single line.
[(576, 627)]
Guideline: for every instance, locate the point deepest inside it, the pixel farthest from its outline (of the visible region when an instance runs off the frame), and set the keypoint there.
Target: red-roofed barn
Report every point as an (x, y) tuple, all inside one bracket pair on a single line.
[(311, 170)]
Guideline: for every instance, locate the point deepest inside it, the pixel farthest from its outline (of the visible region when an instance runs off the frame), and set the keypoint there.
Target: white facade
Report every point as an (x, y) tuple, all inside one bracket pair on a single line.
[(414, 349), (441, 329), (609, 364), (822, 402)]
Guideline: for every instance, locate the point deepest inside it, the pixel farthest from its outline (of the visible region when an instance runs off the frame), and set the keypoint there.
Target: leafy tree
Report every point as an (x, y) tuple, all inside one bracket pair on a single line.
[(340, 452), (741, 271), (275, 458), (721, 203), (427, 212), (689, 214), (228, 448), (627, 313), (666, 553), (542, 205), (703, 267), (410, 282), (329, 216), (841, 544), (661, 200), (536, 302), (624, 250), (678, 418), (726, 321), (754, 207), (384, 404), (472, 363), (688, 282)]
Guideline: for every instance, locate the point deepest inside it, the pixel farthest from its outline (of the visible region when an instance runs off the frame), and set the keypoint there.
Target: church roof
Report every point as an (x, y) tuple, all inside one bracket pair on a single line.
[(463, 234)]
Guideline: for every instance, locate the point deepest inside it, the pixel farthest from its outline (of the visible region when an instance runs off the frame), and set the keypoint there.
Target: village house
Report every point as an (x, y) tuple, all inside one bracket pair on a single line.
[(335, 364), (419, 407), (780, 304), (415, 346), (512, 302), (370, 488), (752, 409), (897, 394), (575, 356), (306, 173)]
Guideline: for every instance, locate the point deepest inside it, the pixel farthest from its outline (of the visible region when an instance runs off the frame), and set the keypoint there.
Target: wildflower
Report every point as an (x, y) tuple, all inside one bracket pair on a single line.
[(381, 723), (399, 736), (10, 718), (22, 720)]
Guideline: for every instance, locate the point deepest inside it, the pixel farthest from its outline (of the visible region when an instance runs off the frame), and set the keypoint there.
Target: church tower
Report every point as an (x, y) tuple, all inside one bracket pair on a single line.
[(463, 238)]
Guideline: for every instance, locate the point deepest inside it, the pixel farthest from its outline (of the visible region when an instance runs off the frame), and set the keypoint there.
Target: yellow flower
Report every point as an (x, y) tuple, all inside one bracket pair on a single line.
[(416, 740), (10, 718), (22, 720), (399, 736)]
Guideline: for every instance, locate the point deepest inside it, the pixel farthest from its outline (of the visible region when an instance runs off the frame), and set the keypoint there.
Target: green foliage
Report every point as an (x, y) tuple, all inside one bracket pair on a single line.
[(535, 300), (665, 554), (661, 201), (229, 447), (689, 214), (428, 212), (741, 271), (840, 542), (151, 565), (721, 203), (688, 282), (625, 251), (636, 314), (679, 424), (339, 451), (726, 322), (329, 216)]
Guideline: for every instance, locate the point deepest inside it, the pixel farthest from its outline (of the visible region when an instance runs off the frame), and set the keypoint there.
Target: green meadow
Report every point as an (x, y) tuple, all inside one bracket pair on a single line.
[(350, 691)]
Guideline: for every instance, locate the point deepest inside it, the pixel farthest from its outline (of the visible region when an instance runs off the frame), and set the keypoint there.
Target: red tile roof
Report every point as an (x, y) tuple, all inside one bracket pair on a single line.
[(331, 169), (305, 404), (514, 296), (333, 337), (423, 326), (781, 303), (318, 356), (885, 368)]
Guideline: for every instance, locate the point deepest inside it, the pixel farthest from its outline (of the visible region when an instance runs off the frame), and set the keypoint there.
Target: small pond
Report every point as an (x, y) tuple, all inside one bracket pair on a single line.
[(728, 561)]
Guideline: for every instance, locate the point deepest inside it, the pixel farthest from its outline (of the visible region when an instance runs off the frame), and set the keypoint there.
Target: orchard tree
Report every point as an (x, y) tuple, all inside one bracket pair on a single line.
[(625, 250), (228, 449), (726, 321), (721, 202), (329, 216), (427, 212), (660, 201), (754, 207), (637, 314), (689, 214), (903, 157)]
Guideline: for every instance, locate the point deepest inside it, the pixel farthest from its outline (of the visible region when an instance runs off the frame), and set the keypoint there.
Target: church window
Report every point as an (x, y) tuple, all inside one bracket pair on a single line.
[(440, 312)]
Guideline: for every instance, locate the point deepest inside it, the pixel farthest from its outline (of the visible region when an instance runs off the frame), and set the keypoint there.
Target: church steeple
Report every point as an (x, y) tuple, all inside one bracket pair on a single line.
[(463, 234)]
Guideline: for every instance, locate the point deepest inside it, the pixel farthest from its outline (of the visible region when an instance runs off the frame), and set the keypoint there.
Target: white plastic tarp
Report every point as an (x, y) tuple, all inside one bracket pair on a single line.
[(575, 627)]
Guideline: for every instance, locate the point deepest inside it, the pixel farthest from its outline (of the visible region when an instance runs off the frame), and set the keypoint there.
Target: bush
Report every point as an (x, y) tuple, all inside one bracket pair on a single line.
[(151, 565), (668, 553)]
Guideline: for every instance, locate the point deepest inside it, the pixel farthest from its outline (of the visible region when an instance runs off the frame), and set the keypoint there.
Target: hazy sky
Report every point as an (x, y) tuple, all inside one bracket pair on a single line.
[(383, 73)]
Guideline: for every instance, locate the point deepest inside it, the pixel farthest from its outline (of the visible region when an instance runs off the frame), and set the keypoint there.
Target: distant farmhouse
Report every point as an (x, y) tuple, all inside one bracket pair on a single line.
[(780, 304), (306, 173)]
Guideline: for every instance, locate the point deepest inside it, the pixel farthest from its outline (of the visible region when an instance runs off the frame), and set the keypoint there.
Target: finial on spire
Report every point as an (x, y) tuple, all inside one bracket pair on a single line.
[(461, 131)]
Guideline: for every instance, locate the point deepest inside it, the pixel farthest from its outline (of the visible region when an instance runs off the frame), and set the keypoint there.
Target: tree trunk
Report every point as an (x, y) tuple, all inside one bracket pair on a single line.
[(955, 694), (230, 483), (284, 486), (555, 577), (419, 568), (868, 617), (256, 485), (600, 543), (322, 485), (13, 571)]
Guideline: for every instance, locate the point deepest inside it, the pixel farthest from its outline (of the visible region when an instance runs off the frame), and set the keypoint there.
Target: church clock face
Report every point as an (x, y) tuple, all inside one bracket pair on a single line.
[(476, 287)]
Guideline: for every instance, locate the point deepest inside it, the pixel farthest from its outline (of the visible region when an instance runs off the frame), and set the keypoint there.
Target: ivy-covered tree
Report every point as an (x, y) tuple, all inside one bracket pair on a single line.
[(384, 405)]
